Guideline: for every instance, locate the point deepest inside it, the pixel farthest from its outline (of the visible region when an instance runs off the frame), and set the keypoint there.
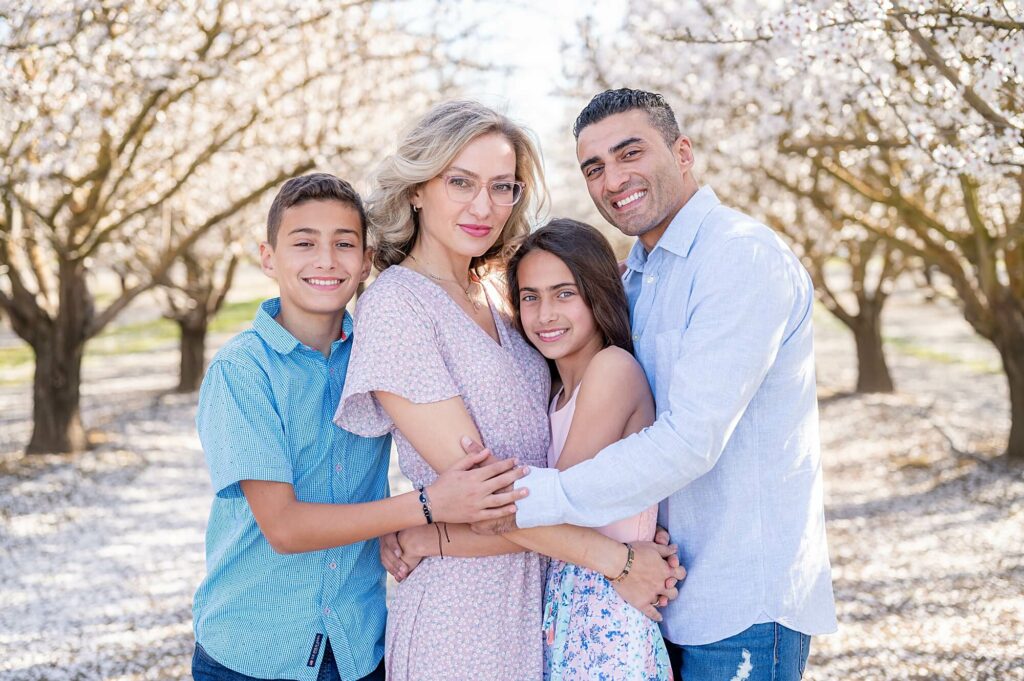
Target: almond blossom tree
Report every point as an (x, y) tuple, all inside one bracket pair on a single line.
[(111, 109), (913, 110)]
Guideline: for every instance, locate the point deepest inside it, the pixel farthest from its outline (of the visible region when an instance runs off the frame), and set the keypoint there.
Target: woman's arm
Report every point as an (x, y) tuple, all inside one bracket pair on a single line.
[(435, 431)]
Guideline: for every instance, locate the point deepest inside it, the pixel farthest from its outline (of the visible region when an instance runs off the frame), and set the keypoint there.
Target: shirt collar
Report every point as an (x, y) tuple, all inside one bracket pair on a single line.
[(678, 237), (279, 338)]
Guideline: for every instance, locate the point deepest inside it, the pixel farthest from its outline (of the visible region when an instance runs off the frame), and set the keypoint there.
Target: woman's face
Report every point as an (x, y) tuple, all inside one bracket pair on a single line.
[(468, 228)]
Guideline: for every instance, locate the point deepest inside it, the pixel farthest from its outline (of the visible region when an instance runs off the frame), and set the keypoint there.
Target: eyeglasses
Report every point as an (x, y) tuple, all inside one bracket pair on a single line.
[(465, 189)]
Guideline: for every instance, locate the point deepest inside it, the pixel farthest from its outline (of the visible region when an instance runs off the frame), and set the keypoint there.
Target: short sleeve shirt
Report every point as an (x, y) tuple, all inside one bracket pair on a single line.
[(265, 410)]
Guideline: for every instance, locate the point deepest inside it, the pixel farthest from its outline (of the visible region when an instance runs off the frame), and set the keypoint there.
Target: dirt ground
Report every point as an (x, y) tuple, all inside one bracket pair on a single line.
[(100, 553)]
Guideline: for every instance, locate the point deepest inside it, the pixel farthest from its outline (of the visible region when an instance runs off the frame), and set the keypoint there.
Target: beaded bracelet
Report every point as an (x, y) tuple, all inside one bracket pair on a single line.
[(628, 567), (425, 500)]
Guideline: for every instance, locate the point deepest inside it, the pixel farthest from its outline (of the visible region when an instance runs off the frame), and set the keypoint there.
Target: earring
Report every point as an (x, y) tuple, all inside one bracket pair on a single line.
[(415, 209)]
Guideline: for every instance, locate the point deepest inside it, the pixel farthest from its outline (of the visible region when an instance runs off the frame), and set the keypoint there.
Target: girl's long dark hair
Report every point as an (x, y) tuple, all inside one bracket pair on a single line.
[(590, 258)]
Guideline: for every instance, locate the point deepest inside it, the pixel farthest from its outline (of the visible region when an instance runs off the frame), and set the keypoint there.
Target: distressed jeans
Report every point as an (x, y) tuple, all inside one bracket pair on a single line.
[(764, 652), (205, 668)]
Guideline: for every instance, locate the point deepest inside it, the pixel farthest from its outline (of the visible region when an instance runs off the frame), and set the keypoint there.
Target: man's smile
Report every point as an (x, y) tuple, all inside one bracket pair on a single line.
[(632, 198)]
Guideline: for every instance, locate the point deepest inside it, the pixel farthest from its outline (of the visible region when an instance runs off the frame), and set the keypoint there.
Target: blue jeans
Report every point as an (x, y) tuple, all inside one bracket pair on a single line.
[(764, 652), (205, 668)]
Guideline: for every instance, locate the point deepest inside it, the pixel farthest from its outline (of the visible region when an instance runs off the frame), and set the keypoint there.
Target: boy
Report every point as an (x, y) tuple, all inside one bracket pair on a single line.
[(294, 586)]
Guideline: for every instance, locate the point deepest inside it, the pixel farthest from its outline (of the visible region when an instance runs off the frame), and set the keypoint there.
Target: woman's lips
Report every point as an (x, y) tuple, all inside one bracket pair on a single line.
[(475, 230)]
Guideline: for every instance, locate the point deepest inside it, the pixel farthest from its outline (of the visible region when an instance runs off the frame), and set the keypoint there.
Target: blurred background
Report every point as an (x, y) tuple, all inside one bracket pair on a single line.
[(141, 142)]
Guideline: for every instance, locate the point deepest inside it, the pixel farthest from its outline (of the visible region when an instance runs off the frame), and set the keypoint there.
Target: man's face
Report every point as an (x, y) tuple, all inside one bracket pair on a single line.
[(636, 180)]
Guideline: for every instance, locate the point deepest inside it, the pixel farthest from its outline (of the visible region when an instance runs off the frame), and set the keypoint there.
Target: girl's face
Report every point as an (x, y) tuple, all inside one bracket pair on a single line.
[(555, 318), (468, 228)]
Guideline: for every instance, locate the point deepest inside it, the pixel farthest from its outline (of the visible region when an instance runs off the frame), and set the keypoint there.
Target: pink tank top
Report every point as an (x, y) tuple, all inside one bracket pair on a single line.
[(639, 527)]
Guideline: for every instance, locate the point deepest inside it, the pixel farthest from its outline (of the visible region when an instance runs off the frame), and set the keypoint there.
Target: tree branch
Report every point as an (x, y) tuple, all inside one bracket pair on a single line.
[(172, 253)]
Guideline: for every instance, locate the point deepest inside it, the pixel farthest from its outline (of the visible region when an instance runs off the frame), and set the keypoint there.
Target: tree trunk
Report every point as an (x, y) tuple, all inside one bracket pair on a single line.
[(193, 350), (872, 370), (57, 422), (59, 346), (1015, 376), (1009, 340)]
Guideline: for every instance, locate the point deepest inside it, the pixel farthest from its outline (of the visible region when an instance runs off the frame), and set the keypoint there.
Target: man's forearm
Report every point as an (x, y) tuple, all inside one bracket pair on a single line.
[(609, 487)]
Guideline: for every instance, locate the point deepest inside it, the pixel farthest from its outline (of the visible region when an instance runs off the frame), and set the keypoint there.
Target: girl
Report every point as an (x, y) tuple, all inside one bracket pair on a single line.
[(570, 304)]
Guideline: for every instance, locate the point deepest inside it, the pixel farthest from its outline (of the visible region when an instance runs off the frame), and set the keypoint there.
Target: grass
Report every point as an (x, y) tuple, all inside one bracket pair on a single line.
[(908, 347), (139, 336), (234, 317)]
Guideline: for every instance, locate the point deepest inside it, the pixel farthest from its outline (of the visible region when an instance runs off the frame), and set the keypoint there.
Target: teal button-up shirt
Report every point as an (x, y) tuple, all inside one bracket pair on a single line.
[(264, 413)]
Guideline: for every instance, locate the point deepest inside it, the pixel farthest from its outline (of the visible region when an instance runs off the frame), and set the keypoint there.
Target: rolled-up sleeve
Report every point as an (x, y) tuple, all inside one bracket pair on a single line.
[(742, 301)]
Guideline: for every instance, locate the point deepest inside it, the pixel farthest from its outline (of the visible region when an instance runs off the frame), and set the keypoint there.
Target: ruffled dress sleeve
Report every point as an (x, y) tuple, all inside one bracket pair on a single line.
[(396, 349)]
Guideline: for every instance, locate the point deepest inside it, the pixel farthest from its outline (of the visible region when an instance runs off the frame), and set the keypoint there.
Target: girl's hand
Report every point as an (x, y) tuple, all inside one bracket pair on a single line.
[(394, 558), (464, 494), (652, 578), (410, 556)]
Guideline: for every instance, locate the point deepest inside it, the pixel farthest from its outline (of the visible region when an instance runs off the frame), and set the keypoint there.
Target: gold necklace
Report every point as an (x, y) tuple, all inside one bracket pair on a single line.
[(464, 289)]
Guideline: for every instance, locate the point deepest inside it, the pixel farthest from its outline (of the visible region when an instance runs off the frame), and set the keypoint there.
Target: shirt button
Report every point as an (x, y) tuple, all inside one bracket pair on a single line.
[(337, 468), (327, 611), (333, 565), (650, 279), (636, 336)]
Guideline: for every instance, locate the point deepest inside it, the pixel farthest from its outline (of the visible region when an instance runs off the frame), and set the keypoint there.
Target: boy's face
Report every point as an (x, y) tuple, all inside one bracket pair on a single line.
[(320, 257)]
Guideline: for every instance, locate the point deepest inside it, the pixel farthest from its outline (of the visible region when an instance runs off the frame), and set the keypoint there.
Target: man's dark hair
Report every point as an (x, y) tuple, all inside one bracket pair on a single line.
[(611, 102), (313, 187)]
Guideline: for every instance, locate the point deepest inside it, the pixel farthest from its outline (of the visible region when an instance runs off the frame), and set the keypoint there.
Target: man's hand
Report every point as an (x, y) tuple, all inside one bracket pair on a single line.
[(498, 525), (652, 580), (661, 536)]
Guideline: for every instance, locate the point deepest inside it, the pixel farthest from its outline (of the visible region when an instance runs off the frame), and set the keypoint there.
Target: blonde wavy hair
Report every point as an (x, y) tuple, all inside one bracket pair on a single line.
[(424, 152)]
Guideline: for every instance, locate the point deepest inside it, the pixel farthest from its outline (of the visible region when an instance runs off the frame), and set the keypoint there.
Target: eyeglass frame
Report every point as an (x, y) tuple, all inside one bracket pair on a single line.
[(445, 177)]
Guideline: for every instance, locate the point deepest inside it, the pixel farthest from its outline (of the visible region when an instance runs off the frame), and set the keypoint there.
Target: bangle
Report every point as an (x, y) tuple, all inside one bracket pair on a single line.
[(425, 500), (628, 566)]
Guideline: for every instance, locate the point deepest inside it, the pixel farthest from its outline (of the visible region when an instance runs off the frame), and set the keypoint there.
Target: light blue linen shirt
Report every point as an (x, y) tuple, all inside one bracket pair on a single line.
[(265, 411), (721, 317)]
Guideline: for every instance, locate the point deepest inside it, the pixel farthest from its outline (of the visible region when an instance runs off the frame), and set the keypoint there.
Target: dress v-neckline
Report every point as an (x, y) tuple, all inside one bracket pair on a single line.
[(501, 341)]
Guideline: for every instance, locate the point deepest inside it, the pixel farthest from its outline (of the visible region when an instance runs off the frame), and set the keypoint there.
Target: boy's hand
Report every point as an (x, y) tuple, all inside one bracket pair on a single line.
[(651, 583), (465, 494), (491, 527)]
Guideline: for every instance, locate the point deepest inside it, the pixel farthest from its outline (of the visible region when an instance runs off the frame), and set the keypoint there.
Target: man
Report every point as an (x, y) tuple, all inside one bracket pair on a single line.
[(721, 319)]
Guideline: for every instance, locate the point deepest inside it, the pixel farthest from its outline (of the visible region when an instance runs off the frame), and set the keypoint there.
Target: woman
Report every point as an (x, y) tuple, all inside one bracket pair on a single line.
[(435, 359)]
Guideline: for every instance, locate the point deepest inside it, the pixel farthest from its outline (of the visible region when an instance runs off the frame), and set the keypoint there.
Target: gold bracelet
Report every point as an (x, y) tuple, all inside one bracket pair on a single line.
[(627, 568)]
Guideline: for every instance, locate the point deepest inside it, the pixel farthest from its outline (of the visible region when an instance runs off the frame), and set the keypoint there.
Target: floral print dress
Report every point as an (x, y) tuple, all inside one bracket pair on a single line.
[(589, 631), (453, 618)]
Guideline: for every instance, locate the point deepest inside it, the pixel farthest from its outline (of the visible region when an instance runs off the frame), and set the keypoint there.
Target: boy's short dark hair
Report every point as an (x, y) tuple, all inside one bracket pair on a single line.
[(611, 102), (313, 187)]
